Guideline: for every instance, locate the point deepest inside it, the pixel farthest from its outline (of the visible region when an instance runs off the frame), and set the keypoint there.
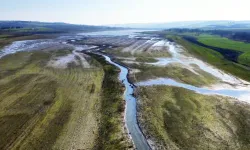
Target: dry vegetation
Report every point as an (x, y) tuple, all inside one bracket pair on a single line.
[(175, 118), (174, 71), (7, 39), (48, 108)]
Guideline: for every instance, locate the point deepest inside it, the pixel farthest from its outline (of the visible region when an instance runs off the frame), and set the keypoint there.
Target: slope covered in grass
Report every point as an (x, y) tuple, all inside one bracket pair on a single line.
[(245, 58), (175, 118), (48, 108)]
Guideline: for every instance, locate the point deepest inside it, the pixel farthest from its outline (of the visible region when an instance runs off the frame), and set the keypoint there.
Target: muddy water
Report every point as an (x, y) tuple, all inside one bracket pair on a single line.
[(138, 138), (129, 33)]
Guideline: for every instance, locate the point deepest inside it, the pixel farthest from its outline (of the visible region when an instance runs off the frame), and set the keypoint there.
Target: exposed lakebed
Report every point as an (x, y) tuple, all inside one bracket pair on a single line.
[(228, 85)]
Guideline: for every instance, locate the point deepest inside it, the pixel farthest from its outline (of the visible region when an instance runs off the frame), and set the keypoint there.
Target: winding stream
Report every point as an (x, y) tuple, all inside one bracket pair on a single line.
[(138, 138), (242, 94)]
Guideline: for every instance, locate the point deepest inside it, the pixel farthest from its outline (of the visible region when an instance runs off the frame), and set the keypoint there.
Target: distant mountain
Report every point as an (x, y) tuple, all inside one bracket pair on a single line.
[(27, 26), (188, 24)]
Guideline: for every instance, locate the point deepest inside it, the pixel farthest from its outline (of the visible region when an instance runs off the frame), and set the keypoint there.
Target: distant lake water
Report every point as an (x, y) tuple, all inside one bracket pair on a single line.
[(114, 33)]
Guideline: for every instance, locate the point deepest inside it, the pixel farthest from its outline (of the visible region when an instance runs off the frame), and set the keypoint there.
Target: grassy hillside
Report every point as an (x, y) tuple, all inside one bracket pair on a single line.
[(48, 108), (245, 58), (176, 118)]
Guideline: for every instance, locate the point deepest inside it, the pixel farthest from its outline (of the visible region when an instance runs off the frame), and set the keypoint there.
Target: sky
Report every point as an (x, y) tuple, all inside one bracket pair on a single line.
[(103, 12)]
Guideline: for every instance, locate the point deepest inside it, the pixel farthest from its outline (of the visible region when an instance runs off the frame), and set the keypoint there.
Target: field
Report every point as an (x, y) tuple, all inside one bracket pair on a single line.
[(229, 44), (218, 41), (48, 108), (236, 51), (180, 119), (214, 58)]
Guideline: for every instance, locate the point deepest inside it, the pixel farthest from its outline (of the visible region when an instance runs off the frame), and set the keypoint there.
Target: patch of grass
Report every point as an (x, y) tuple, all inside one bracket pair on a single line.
[(10, 127), (145, 59), (221, 42), (9, 62), (173, 71), (118, 52), (57, 116), (245, 58), (59, 53), (147, 53), (176, 118)]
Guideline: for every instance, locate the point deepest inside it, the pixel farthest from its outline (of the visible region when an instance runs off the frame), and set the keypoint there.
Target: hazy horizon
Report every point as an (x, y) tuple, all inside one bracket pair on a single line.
[(101, 12)]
